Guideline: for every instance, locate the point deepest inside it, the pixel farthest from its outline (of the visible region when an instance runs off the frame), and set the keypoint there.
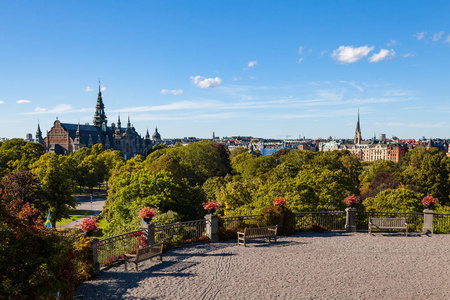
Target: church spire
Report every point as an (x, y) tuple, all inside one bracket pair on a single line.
[(100, 116), (358, 138)]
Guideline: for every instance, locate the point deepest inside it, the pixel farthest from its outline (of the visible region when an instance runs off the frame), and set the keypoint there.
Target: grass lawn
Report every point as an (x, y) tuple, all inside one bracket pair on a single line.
[(99, 234), (75, 215)]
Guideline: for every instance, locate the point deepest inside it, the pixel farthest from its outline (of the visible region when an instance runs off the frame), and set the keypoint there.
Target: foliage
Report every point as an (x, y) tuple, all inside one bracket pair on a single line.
[(398, 200), (55, 176), (314, 227), (36, 263), (278, 215), (426, 171), (25, 186), (168, 217), (17, 154), (129, 191)]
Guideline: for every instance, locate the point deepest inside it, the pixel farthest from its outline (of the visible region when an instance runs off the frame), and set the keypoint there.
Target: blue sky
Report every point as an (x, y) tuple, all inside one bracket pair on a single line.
[(266, 69)]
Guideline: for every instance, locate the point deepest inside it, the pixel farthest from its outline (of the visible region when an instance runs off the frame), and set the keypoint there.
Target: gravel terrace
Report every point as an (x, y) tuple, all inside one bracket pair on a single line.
[(330, 265)]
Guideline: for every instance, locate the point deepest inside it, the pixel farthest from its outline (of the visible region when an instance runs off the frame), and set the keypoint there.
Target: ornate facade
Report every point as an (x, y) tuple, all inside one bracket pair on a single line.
[(65, 138)]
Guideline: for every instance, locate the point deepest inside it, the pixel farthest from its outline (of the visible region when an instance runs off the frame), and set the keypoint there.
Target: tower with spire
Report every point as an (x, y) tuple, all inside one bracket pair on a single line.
[(38, 138), (100, 116), (358, 138)]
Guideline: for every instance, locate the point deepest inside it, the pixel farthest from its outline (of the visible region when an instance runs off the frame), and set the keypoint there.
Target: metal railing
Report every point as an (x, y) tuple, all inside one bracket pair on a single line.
[(238, 222), (330, 220), (441, 223), (414, 219), (180, 232), (112, 249)]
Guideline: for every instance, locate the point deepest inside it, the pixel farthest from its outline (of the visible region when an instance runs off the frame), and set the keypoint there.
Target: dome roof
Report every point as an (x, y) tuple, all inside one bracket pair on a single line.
[(156, 135)]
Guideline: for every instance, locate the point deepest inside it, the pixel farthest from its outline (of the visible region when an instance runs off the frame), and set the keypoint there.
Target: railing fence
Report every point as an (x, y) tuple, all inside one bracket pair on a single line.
[(330, 220)]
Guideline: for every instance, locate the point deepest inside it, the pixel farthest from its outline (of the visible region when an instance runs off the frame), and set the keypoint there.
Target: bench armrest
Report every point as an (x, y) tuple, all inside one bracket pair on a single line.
[(130, 255)]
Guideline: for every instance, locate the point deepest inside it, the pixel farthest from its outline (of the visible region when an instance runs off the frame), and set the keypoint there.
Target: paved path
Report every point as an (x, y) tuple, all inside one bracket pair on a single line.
[(305, 266), (84, 203)]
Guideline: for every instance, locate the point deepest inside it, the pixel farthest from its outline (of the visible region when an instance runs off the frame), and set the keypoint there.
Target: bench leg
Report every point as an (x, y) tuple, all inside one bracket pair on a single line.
[(126, 264), (136, 266)]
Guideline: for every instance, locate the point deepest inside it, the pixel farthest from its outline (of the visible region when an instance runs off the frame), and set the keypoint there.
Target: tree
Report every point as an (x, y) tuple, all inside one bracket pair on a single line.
[(426, 171), (395, 200), (24, 185), (55, 177), (17, 154), (129, 191)]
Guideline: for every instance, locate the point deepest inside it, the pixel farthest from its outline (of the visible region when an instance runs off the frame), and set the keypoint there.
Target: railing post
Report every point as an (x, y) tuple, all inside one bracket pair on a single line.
[(150, 228), (428, 221), (350, 220), (212, 227), (95, 243)]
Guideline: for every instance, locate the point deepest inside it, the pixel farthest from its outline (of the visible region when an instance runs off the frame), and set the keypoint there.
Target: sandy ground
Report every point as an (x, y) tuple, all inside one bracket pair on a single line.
[(305, 266)]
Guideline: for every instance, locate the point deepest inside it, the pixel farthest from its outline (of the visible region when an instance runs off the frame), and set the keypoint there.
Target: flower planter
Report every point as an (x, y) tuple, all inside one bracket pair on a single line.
[(147, 220)]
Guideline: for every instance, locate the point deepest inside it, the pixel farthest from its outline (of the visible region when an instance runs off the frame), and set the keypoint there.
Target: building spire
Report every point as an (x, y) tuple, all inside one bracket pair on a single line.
[(100, 116), (358, 138)]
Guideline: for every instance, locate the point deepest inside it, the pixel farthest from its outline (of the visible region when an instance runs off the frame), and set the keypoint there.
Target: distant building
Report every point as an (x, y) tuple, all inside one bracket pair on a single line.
[(29, 137), (65, 138)]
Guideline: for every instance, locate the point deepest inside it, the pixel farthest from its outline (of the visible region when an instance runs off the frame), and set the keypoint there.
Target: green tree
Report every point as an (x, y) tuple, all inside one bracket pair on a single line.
[(129, 191), (398, 200), (426, 171), (55, 176)]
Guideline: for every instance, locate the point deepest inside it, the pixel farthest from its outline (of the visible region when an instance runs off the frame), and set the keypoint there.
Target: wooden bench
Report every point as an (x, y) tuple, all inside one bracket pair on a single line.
[(144, 253), (388, 223), (269, 232)]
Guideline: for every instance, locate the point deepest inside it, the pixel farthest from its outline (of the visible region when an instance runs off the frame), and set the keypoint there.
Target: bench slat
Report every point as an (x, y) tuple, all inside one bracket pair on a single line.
[(388, 223), (258, 232)]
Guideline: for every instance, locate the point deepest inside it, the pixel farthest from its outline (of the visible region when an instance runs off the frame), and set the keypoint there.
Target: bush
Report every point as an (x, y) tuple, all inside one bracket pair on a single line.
[(314, 227), (278, 215)]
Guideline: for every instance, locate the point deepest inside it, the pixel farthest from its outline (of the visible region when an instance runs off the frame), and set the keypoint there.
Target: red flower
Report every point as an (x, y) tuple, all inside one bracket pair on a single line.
[(88, 224), (352, 199), (429, 200), (147, 212), (211, 205), (279, 201)]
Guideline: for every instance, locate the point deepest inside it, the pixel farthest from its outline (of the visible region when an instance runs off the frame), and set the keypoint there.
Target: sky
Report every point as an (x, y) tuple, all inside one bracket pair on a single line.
[(267, 69)]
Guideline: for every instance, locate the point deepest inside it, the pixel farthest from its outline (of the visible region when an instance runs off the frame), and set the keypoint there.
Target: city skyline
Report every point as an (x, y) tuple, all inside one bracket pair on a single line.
[(254, 68)]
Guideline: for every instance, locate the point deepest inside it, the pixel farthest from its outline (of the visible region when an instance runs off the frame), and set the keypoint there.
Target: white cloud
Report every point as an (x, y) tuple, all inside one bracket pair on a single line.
[(23, 101), (420, 35), (103, 88), (59, 109), (173, 92), (2, 102), (323, 52), (88, 89), (300, 50), (392, 43), (251, 64), (353, 84), (408, 55), (349, 54), (206, 83), (236, 78), (437, 36), (447, 39), (299, 60), (384, 54)]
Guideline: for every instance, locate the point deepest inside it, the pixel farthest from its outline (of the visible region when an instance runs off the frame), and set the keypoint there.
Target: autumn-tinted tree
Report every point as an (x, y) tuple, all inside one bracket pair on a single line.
[(24, 185)]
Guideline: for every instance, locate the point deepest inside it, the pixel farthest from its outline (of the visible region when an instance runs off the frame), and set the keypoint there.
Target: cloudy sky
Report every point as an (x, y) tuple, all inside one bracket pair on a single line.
[(271, 69)]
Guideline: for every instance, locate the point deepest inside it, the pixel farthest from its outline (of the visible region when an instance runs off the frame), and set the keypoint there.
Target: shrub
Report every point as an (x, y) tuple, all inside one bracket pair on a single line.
[(278, 215), (315, 228)]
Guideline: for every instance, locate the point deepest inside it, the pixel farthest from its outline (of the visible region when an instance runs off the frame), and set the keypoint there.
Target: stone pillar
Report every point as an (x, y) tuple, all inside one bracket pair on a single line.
[(150, 228), (95, 256), (350, 220), (212, 227), (428, 221)]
